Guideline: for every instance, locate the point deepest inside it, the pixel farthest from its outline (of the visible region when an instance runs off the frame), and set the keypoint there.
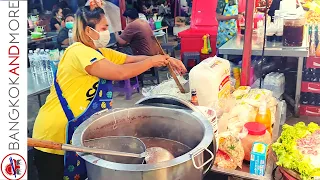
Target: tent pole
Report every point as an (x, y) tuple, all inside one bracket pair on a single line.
[(247, 45)]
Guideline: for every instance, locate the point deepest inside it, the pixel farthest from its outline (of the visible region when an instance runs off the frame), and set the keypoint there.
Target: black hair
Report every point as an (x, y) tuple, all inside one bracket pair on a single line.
[(68, 15), (55, 11), (90, 17), (66, 11), (132, 13)]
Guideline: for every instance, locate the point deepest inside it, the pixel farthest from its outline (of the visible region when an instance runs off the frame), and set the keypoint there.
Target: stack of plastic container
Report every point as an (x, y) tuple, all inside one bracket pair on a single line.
[(275, 82), (40, 64)]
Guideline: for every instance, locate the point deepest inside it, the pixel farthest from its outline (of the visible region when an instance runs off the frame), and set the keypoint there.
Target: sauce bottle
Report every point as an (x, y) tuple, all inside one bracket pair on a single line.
[(264, 116), (194, 98)]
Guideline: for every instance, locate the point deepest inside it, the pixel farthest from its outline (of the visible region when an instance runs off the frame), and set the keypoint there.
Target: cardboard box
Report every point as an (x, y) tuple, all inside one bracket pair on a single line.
[(258, 160)]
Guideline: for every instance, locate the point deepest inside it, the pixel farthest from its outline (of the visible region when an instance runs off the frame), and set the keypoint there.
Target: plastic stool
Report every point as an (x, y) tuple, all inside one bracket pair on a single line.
[(187, 56), (169, 48), (154, 72), (127, 87)]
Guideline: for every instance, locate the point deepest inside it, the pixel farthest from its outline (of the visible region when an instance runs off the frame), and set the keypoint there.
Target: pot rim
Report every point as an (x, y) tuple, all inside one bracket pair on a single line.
[(204, 143)]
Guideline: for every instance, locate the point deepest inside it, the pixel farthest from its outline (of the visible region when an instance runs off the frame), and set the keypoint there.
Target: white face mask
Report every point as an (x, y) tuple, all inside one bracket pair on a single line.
[(103, 40)]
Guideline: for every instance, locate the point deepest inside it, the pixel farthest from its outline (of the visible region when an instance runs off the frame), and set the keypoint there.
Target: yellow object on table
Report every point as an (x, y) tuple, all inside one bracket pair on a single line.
[(205, 49)]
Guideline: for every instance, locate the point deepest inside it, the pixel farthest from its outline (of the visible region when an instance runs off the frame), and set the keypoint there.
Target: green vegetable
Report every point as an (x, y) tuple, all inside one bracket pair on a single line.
[(288, 154)]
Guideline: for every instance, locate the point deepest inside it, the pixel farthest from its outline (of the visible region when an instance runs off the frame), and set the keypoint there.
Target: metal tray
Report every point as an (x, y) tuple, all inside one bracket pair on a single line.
[(244, 172)]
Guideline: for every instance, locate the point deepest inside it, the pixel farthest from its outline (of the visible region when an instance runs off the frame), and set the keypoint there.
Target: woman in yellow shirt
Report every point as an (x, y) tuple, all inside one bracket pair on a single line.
[(83, 86)]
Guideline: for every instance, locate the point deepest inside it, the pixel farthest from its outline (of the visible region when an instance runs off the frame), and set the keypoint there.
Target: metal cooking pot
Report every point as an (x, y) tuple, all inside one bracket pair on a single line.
[(159, 116)]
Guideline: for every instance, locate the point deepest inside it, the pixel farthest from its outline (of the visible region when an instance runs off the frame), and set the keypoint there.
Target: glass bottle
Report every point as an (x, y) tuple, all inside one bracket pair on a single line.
[(194, 98)]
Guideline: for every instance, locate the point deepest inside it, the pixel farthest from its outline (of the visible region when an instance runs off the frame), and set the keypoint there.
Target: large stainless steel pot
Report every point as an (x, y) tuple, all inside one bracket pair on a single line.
[(163, 117)]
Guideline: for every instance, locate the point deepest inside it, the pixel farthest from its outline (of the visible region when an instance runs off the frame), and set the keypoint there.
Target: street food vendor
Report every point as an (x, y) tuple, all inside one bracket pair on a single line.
[(227, 16), (82, 86)]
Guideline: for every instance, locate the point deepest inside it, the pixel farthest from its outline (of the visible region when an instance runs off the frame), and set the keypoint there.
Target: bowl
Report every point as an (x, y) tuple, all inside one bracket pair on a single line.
[(36, 35)]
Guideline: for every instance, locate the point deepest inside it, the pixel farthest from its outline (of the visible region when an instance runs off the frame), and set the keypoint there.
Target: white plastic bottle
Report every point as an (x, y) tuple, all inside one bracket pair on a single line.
[(37, 61), (42, 58), (47, 59), (32, 63), (70, 37)]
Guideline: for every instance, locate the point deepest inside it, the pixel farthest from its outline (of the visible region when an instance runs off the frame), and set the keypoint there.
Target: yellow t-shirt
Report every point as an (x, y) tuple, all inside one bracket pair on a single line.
[(78, 88)]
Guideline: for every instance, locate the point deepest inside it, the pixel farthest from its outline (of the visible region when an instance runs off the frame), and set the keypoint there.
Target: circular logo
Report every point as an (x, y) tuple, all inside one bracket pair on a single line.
[(13, 166)]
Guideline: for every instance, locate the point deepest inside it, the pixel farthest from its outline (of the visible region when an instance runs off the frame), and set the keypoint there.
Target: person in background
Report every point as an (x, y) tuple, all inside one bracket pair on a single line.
[(63, 36), (66, 11), (138, 5), (275, 5), (138, 34), (55, 22), (227, 16), (63, 4), (82, 86)]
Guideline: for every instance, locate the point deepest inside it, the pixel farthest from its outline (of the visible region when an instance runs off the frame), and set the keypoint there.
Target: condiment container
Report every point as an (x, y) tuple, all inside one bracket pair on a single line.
[(258, 159), (253, 132), (264, 116), (293, 28)]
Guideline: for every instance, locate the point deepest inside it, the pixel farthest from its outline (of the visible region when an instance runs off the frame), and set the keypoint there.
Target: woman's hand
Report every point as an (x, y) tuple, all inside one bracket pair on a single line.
[(177, 65), (63, 24), (159, 60)]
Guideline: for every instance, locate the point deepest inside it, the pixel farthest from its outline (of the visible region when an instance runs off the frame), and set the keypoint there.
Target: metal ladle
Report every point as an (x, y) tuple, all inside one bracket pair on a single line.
[(96, 146)]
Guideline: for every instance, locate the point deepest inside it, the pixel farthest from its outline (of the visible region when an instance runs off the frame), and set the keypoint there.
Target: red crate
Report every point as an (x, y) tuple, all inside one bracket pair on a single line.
[(307, 110), (313, 62), (310, 87)]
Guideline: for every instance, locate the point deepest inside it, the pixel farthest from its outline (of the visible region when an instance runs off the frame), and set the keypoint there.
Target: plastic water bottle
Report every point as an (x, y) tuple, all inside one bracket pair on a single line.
[(37, 61), (48, 65), (283, 112), (47, 59), (42, 58), (32, 63), (70, 37)]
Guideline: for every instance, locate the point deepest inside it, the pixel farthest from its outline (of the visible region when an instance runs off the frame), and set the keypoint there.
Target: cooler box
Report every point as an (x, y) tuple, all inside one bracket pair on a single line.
[(191, 40), (203, 21)]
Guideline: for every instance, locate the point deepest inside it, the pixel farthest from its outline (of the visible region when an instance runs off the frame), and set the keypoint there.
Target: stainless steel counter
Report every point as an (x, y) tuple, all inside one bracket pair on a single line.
[(235, 47)]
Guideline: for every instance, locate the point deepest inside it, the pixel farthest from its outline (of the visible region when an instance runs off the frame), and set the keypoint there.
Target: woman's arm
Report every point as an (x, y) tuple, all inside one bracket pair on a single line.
[(225, 18), (175, 63), (63, 37), (57, 26), (107, 70), (134, 59), (65, 42)]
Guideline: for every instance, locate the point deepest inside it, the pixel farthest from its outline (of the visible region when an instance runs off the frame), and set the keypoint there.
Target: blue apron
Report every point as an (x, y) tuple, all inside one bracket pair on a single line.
[(74, 166), (227, 29)]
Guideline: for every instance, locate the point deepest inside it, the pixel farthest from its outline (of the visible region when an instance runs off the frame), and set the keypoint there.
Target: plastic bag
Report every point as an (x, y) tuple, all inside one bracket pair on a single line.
[(224, 161), (230, 145), (167, 87), (256, 96), (241, 91)]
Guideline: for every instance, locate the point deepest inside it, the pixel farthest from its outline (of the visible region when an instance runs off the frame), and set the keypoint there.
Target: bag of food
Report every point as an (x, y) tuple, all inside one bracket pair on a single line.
[(224, 161), (241, 91), (256, 96), (230, 145)]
